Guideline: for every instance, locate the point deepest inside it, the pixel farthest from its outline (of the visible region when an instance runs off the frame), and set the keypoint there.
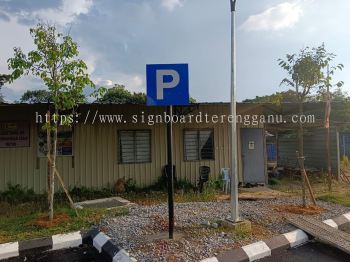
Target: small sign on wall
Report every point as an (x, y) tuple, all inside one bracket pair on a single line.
[(14, 134), (251, 145), (64, 143)]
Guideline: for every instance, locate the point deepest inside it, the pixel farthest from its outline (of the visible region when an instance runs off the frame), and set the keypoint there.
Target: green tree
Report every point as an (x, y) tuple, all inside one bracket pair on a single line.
[(119, 95), (35, 96), (276, 98), (55, 61), (328, 71), (306, 76), (43, 96), (193, 100), (337, 95), (3, 79)]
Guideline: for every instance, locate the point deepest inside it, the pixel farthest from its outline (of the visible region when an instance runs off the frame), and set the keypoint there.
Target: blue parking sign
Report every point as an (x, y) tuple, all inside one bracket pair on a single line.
[(167, 84)]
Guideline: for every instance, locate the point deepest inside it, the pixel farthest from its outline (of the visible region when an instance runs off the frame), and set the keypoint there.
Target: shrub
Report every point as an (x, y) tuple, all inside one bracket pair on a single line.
[(17, 194), (344, 161), (273, 182), (131, 185), (185, 185), (83, 193)]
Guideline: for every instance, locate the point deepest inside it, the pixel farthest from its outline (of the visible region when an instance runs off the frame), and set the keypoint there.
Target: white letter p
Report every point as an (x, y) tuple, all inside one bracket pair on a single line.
[(160, 81)]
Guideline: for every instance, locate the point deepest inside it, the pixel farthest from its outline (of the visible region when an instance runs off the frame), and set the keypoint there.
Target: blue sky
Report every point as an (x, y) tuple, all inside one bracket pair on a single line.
[(117, 38)]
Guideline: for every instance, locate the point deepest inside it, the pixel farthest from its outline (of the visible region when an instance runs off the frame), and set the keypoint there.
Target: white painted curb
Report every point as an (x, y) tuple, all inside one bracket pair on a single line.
[(9, 250), (211, 259), (66, 240), (331, 222), (257, 250), (347, 216), (296, 237), (100, 240)]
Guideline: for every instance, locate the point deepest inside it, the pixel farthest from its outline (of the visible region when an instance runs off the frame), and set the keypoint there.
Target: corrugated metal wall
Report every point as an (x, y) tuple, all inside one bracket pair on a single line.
[(95, 162), (344, 144), (314, 150)]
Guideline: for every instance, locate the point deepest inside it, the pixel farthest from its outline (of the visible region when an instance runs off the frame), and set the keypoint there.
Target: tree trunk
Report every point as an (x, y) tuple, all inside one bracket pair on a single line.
[(48, 144), (328, 138), (329, 162), (65, 190), (303, 173), (52, 170), (301, 151)]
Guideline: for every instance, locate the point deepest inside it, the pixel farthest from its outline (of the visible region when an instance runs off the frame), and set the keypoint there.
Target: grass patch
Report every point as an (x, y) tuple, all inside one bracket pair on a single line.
[(185, 192), (273, 181), (319, 184), (340, 199), (27, 220), (146, 199), (241, 234), (154, 198), (15, 194)]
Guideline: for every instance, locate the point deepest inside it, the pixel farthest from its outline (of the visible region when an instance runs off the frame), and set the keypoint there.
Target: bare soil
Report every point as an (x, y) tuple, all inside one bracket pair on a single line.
[(44, 221), (300, 210)]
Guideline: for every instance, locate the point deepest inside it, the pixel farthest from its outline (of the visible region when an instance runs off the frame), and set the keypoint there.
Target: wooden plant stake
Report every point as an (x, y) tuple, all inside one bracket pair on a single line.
[(65, 189), (303, 173)]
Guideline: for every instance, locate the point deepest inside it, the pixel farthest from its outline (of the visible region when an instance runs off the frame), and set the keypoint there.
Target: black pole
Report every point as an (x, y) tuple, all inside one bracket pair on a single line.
[(233, 5), (170, 173)]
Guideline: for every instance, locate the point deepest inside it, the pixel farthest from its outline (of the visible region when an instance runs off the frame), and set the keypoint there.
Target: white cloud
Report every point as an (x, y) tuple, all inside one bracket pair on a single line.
[(103, 82), (132, 82), (278, 17), (172, 4), (90, 58), (66, 13)]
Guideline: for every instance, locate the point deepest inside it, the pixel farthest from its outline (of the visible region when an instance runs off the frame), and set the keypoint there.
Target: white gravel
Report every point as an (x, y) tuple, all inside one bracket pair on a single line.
[(131, 231)]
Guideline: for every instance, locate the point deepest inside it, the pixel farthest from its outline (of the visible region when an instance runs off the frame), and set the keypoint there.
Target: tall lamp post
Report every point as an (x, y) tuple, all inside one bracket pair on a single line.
[(234, 168)]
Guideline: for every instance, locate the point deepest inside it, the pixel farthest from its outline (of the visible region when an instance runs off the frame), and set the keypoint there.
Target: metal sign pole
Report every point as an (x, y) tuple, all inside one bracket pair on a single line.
[(162, 92), (170, 173), (234, 162)]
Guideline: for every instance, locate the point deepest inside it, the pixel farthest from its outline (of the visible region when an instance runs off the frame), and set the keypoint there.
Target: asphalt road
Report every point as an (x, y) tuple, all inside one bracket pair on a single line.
[(312, 252), (86, 254)]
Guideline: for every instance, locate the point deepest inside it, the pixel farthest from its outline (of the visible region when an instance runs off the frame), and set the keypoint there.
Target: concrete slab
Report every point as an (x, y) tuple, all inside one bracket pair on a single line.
[(323, 232), (243, 225), (255, 189), (111, 202)]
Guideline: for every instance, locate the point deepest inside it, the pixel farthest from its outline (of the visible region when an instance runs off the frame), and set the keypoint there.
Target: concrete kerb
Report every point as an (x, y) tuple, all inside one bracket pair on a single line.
[(276, 244), (113, 253), (21, 248), (105, 246), (94, 237)]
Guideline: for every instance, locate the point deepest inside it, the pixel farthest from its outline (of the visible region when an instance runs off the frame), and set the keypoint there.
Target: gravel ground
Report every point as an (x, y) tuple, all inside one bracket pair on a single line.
[(132, 232)]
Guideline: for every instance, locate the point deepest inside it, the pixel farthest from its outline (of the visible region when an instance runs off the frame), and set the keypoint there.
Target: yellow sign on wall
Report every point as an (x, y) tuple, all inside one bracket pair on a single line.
[(14, 134)]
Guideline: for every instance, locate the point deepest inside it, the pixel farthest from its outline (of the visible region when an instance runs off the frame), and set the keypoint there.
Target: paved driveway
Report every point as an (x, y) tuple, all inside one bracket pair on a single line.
[(312, 252), (83, 254)]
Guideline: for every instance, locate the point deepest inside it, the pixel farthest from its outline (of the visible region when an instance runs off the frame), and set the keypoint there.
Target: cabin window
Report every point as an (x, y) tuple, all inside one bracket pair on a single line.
[(199, 144), (135, 146)]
